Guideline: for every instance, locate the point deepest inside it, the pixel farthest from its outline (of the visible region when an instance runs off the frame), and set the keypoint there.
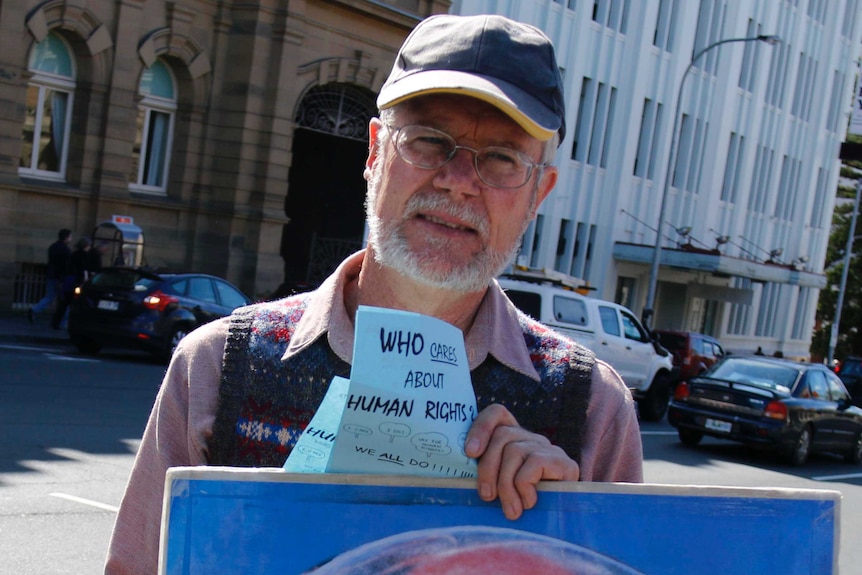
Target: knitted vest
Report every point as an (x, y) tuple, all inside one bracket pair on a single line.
[(265, 403)]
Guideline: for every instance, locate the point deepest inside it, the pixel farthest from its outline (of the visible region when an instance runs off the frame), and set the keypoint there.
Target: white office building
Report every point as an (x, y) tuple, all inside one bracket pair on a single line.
[(752, 184)]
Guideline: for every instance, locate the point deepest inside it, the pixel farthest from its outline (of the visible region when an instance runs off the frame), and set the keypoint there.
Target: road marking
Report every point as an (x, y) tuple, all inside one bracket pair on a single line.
[(28, 348), (90, 502), (837, 477), (71, 358)]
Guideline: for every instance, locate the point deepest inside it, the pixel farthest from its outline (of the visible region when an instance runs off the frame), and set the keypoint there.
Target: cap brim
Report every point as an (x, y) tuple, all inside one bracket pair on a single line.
[(528, 112)]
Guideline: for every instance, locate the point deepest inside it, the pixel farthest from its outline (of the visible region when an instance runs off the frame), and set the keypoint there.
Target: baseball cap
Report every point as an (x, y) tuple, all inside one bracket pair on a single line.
[(508, 64)]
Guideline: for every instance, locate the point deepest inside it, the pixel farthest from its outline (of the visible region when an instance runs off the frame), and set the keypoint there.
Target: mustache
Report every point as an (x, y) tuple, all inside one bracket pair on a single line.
[(440, 203)]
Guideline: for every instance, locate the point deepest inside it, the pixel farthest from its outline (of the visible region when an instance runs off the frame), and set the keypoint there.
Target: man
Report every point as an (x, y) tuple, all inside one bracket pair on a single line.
[(458, 163), (59, 269)]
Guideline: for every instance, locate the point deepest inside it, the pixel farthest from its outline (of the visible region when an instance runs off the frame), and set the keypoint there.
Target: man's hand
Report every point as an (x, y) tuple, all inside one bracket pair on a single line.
[(513, 460)]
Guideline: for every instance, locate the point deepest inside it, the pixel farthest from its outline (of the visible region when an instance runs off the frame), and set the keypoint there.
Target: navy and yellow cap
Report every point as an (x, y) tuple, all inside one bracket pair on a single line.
[(508, 64)]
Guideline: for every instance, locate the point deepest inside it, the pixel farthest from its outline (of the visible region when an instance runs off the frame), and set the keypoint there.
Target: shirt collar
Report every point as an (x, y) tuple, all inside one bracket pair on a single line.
[(495, 329)]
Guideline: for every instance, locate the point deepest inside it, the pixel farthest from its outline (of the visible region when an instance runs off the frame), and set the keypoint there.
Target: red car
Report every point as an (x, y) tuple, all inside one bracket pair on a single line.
[(692, 352)]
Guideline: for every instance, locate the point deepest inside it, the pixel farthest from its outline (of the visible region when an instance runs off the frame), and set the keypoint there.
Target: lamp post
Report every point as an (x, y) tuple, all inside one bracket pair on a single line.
[(653, 274), (848, 255)]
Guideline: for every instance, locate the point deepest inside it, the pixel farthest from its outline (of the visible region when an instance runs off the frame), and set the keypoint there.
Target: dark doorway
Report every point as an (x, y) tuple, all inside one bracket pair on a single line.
[(325, 204), (326, 190)]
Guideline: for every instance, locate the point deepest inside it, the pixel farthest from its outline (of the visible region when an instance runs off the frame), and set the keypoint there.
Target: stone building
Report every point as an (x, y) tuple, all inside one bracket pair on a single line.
[(233, 133)]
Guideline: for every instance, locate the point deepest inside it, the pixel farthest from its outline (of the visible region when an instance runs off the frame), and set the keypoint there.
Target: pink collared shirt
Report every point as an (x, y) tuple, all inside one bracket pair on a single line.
[(180, 425)]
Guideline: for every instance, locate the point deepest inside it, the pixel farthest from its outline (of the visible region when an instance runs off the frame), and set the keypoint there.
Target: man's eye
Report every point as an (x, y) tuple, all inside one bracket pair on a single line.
[(431, 141), (501, 156)]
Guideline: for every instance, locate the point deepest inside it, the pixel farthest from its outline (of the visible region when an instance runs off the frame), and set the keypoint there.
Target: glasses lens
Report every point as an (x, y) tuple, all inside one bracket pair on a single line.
[(424, 147), (502, 167)]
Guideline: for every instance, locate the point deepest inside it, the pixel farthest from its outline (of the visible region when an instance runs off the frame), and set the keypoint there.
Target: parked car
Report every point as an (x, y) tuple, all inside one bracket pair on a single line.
[(692, 352), (795, 408), (132, 307), (850, 372), (610, 330)]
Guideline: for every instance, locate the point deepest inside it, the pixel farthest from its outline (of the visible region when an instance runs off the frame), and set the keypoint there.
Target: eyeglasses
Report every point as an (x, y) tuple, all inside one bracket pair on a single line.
[(430, 149)]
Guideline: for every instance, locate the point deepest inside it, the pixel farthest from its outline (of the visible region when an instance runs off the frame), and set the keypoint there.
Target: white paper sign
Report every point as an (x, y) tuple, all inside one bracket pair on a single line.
[(409, 404)]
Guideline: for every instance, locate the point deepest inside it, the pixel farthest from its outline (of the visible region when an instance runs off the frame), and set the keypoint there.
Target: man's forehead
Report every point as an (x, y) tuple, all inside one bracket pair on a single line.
[(449, 110)]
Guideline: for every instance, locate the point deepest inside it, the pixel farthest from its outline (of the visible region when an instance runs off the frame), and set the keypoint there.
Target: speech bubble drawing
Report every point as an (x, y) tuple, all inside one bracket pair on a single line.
[(357, 430), (310, 452), (394, 430), (432, 444)]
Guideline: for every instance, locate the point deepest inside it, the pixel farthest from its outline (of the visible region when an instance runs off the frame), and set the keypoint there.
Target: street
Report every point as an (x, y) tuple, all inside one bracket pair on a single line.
[(70, 425)]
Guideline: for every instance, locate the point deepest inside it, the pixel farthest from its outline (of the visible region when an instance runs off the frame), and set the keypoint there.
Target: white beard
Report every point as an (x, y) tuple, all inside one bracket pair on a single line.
[(432, 267)]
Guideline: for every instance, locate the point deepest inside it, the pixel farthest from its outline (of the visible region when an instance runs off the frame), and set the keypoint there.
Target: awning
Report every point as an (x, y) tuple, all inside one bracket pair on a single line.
[(713, 262)]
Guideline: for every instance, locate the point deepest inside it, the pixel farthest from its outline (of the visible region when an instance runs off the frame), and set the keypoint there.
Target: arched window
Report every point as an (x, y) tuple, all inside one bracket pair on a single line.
[(45, 139), (155, 126)]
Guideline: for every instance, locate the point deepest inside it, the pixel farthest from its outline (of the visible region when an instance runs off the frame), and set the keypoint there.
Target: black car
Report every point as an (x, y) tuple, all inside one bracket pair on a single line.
[(131, 307), (795, 408), (850, 372)]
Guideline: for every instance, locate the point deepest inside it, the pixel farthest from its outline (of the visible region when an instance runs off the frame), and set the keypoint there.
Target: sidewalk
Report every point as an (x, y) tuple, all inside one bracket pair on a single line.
[(15, 328)]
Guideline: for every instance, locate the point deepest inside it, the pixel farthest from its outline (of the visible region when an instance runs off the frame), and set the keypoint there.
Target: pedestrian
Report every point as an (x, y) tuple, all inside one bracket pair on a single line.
[(759, 351), (459, 161), (83, 264), (59, 268)]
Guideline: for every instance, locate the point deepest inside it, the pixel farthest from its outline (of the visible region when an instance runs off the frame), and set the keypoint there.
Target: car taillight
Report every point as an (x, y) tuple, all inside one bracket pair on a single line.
[(775, 410), (159, 300), (681, 392)]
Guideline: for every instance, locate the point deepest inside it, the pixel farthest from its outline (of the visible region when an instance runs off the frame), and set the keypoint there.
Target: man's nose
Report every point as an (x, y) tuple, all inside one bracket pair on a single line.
[(459, 173)]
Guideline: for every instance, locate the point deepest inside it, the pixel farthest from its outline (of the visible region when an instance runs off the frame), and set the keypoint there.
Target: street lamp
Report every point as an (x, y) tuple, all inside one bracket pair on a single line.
[(653, 274), (848, 254)]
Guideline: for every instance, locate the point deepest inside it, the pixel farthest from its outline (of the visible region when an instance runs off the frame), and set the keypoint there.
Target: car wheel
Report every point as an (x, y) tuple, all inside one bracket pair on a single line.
[(653, 405), (177, 334), (689, 437), (854, 456), (801, 447), (87, 345)]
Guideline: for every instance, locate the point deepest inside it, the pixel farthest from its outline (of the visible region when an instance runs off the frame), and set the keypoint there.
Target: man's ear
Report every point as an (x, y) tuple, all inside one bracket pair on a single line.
[(374, 127), (546, 183)]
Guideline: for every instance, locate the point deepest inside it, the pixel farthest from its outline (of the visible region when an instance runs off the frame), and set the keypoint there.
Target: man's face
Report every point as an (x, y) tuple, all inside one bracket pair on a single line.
[(445, 227)]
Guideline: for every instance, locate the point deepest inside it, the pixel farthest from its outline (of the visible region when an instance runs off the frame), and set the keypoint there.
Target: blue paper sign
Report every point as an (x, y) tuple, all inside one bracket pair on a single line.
[(226, 520)]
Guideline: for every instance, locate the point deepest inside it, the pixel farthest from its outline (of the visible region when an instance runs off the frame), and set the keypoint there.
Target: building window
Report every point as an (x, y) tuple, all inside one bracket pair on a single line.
[(820, 196), (848, 24), (665, 25), (788, 189), (750, 57), (806, 74), (800, 318), (735, 151), (648, 140), (565, 245), (777, 80), (584, 120), (710, 23), (50, 92), (611, 14), (689, 154), (155, 126), (764, 160), (594, 123), (836, 102), (739, 320)]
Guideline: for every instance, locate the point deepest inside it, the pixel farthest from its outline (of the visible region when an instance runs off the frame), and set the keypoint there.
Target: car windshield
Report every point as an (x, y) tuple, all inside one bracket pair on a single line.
[(672, 341), (124, 279), (762, 374)]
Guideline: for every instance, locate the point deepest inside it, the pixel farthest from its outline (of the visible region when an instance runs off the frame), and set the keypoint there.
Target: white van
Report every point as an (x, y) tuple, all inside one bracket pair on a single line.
[(612, 331)]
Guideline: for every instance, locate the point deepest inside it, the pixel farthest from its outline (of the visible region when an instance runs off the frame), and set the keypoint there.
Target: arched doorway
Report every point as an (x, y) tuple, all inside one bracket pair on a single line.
[(326, 190)]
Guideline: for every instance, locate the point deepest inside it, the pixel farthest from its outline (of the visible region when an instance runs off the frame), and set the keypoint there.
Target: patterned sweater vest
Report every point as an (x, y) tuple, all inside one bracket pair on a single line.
[(265, 403)]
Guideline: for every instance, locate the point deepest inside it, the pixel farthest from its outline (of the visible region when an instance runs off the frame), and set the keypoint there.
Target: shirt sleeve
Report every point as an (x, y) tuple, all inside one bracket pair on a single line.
[(176, 435), (612, 448)]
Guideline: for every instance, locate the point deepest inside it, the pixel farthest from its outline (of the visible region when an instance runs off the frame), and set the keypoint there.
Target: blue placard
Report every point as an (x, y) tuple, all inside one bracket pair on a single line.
[(221, 520)]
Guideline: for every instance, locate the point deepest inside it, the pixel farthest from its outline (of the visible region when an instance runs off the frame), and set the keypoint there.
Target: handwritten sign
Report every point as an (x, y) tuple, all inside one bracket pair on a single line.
[(410, 401), (407, 406)]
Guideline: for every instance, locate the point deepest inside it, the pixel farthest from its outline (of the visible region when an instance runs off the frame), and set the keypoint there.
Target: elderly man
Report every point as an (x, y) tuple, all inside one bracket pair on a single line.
[(458, 163)]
